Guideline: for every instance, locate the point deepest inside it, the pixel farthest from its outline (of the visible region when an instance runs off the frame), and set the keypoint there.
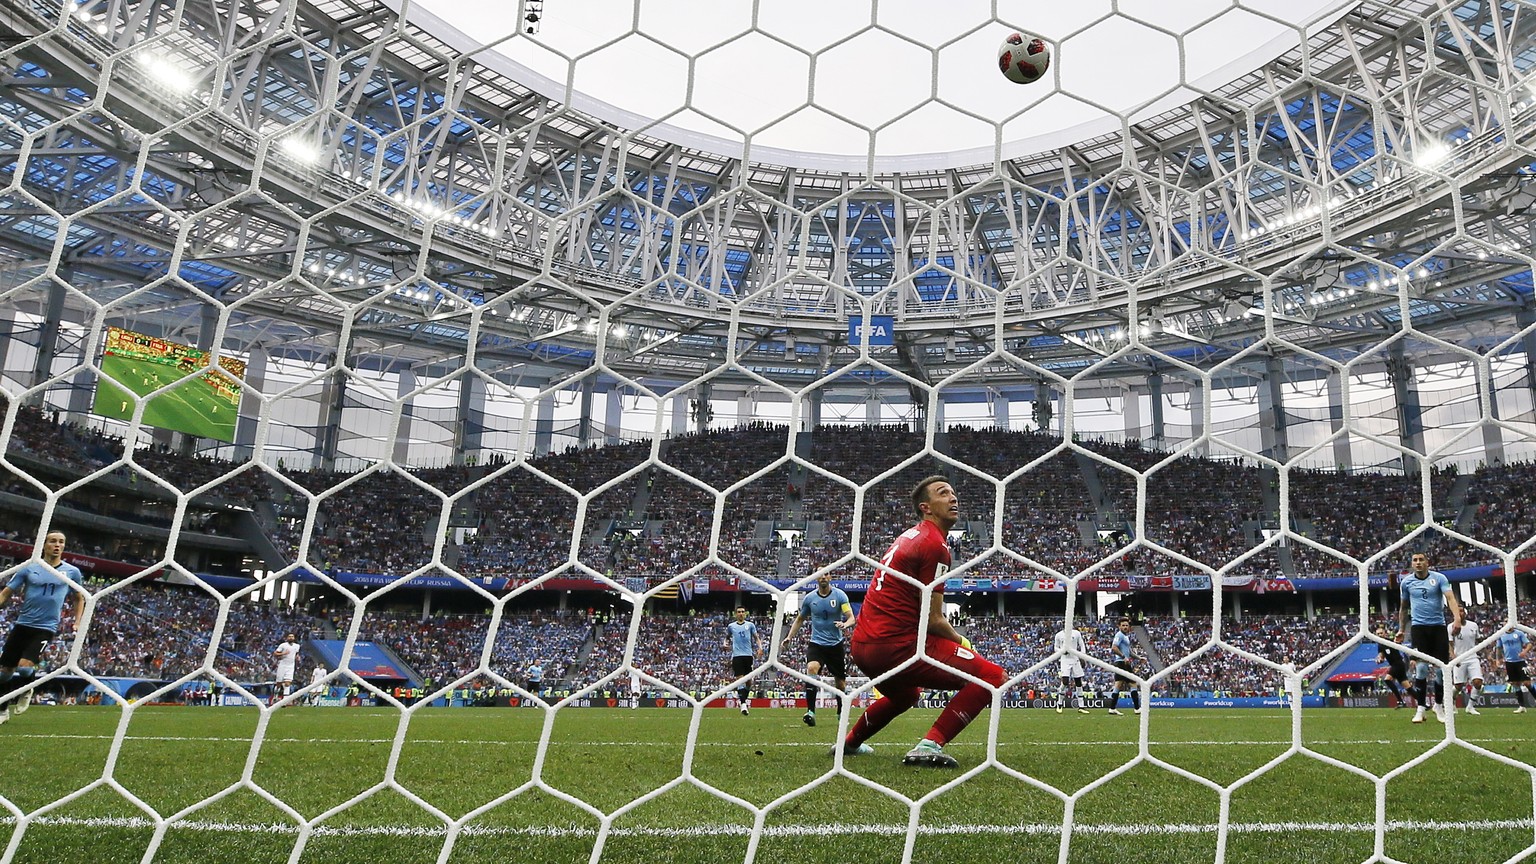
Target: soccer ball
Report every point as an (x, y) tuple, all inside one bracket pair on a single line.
[(1023, 59)]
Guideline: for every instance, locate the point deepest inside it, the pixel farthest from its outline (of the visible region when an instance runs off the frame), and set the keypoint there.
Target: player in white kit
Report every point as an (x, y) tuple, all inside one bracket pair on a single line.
[(1466, 667), (316, 687), (1072, 646), (287, 654)]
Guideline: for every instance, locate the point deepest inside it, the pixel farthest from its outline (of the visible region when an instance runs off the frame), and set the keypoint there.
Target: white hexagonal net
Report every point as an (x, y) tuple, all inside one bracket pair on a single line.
[(482, 304)]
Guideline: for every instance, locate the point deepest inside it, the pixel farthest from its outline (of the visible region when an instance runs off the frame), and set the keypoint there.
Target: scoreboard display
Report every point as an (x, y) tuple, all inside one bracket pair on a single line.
[(140, 368)]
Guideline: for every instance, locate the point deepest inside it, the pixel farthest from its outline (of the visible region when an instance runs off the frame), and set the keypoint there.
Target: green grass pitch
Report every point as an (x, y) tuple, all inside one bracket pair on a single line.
[(1458, 804), (192, 408)]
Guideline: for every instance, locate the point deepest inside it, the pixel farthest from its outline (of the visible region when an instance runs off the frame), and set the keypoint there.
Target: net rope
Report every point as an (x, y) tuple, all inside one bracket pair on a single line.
[(1276, 252)]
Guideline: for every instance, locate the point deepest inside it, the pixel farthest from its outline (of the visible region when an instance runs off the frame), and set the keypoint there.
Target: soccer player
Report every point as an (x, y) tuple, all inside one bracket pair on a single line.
[(831, 615), (1468, 669), (1426, 594), (1070, 642), (316, 685), (43, 591), (889, 622), (1122, 651), (745, 646), (1517, 648), (536, 678), (287, 654), (1397, 667)]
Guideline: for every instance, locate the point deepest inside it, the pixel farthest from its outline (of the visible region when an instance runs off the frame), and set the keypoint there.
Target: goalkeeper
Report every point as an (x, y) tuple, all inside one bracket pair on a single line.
[(888, 627)]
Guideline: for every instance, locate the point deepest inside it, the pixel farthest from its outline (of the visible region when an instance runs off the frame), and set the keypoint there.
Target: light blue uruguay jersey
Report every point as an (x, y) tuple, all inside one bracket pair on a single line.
[(1513, 643), (1122, 646), (743, 638), (824, 613), (42, 593), (1426, 603)]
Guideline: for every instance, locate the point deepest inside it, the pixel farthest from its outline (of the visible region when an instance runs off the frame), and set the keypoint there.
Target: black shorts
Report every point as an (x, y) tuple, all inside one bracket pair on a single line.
[(833, 658), (1514, 671), (24, 643), (1397, 668), (741, 664), (1432, 639), (1123, 671)]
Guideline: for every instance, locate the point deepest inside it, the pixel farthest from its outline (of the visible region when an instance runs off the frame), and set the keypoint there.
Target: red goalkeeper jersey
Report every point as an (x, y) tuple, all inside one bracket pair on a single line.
[(892, 605)]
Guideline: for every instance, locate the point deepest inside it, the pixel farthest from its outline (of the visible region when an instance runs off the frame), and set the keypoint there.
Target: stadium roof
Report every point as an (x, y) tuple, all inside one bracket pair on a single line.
[(327, 182), (901, 84)]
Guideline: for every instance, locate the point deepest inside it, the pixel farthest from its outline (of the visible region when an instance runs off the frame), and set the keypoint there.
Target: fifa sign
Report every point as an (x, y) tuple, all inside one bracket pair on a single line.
[(879, 330)]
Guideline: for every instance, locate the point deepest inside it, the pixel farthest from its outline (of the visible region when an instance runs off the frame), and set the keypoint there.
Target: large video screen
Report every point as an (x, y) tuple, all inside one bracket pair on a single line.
[(139, 364)]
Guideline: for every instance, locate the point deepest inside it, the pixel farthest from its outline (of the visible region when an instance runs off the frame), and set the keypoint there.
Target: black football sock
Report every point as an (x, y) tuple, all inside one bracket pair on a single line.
[(810, 699)]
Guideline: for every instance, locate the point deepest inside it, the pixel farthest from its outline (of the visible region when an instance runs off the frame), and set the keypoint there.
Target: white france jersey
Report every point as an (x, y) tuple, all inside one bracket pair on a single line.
[(1070, 640), (1470, 635), (287, 655)]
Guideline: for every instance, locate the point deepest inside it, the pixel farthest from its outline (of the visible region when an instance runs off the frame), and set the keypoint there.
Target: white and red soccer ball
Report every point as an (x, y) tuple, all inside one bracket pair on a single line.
[(1023, 59)]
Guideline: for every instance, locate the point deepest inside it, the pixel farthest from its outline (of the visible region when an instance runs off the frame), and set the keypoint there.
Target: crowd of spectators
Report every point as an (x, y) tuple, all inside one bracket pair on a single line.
[(523, 523), (1362, 513), (1018, 642), (1279, 639), (445, 648), (163, 632), (720, 459), (1041, 508), (381, 521), (651, 522), (1199, 507)]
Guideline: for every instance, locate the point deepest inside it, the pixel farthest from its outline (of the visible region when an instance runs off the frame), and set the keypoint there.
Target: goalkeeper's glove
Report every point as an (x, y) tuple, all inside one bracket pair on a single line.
[(964, 642)]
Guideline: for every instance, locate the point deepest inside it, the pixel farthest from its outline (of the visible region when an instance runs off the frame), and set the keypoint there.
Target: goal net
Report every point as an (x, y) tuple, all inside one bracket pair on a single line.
[(423, 391)]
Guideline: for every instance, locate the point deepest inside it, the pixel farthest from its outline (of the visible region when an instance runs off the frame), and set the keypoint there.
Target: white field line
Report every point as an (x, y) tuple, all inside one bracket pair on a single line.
[(725, 830), (529, 742)]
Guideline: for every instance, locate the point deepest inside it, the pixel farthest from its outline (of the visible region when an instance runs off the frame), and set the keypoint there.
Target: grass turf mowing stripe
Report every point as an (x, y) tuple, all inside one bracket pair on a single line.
[(902, 745), (822, 830)]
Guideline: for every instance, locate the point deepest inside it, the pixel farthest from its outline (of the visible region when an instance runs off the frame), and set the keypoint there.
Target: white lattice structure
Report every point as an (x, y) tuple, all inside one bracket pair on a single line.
[(433, 249)]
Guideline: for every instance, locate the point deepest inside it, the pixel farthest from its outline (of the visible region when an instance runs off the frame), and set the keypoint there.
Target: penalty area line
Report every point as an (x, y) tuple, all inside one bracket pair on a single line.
[(821, 830)]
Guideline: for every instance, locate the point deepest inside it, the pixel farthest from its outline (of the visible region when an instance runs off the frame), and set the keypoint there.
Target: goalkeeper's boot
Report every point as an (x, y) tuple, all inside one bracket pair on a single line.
[(929, 754), (1115, 711), (861, 750), (1418, 714), (1439, 712), (1472, 709), (1058, 708), (22, 703), (1519, 710), (809, 718)]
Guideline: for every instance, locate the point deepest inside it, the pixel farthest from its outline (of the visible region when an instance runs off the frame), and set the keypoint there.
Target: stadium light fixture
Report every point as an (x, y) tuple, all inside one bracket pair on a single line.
[(166, 73), (1431, 155), (301, 150)]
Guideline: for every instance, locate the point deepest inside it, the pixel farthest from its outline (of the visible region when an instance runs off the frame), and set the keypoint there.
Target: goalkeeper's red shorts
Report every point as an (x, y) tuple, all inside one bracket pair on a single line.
[(936, 671)]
